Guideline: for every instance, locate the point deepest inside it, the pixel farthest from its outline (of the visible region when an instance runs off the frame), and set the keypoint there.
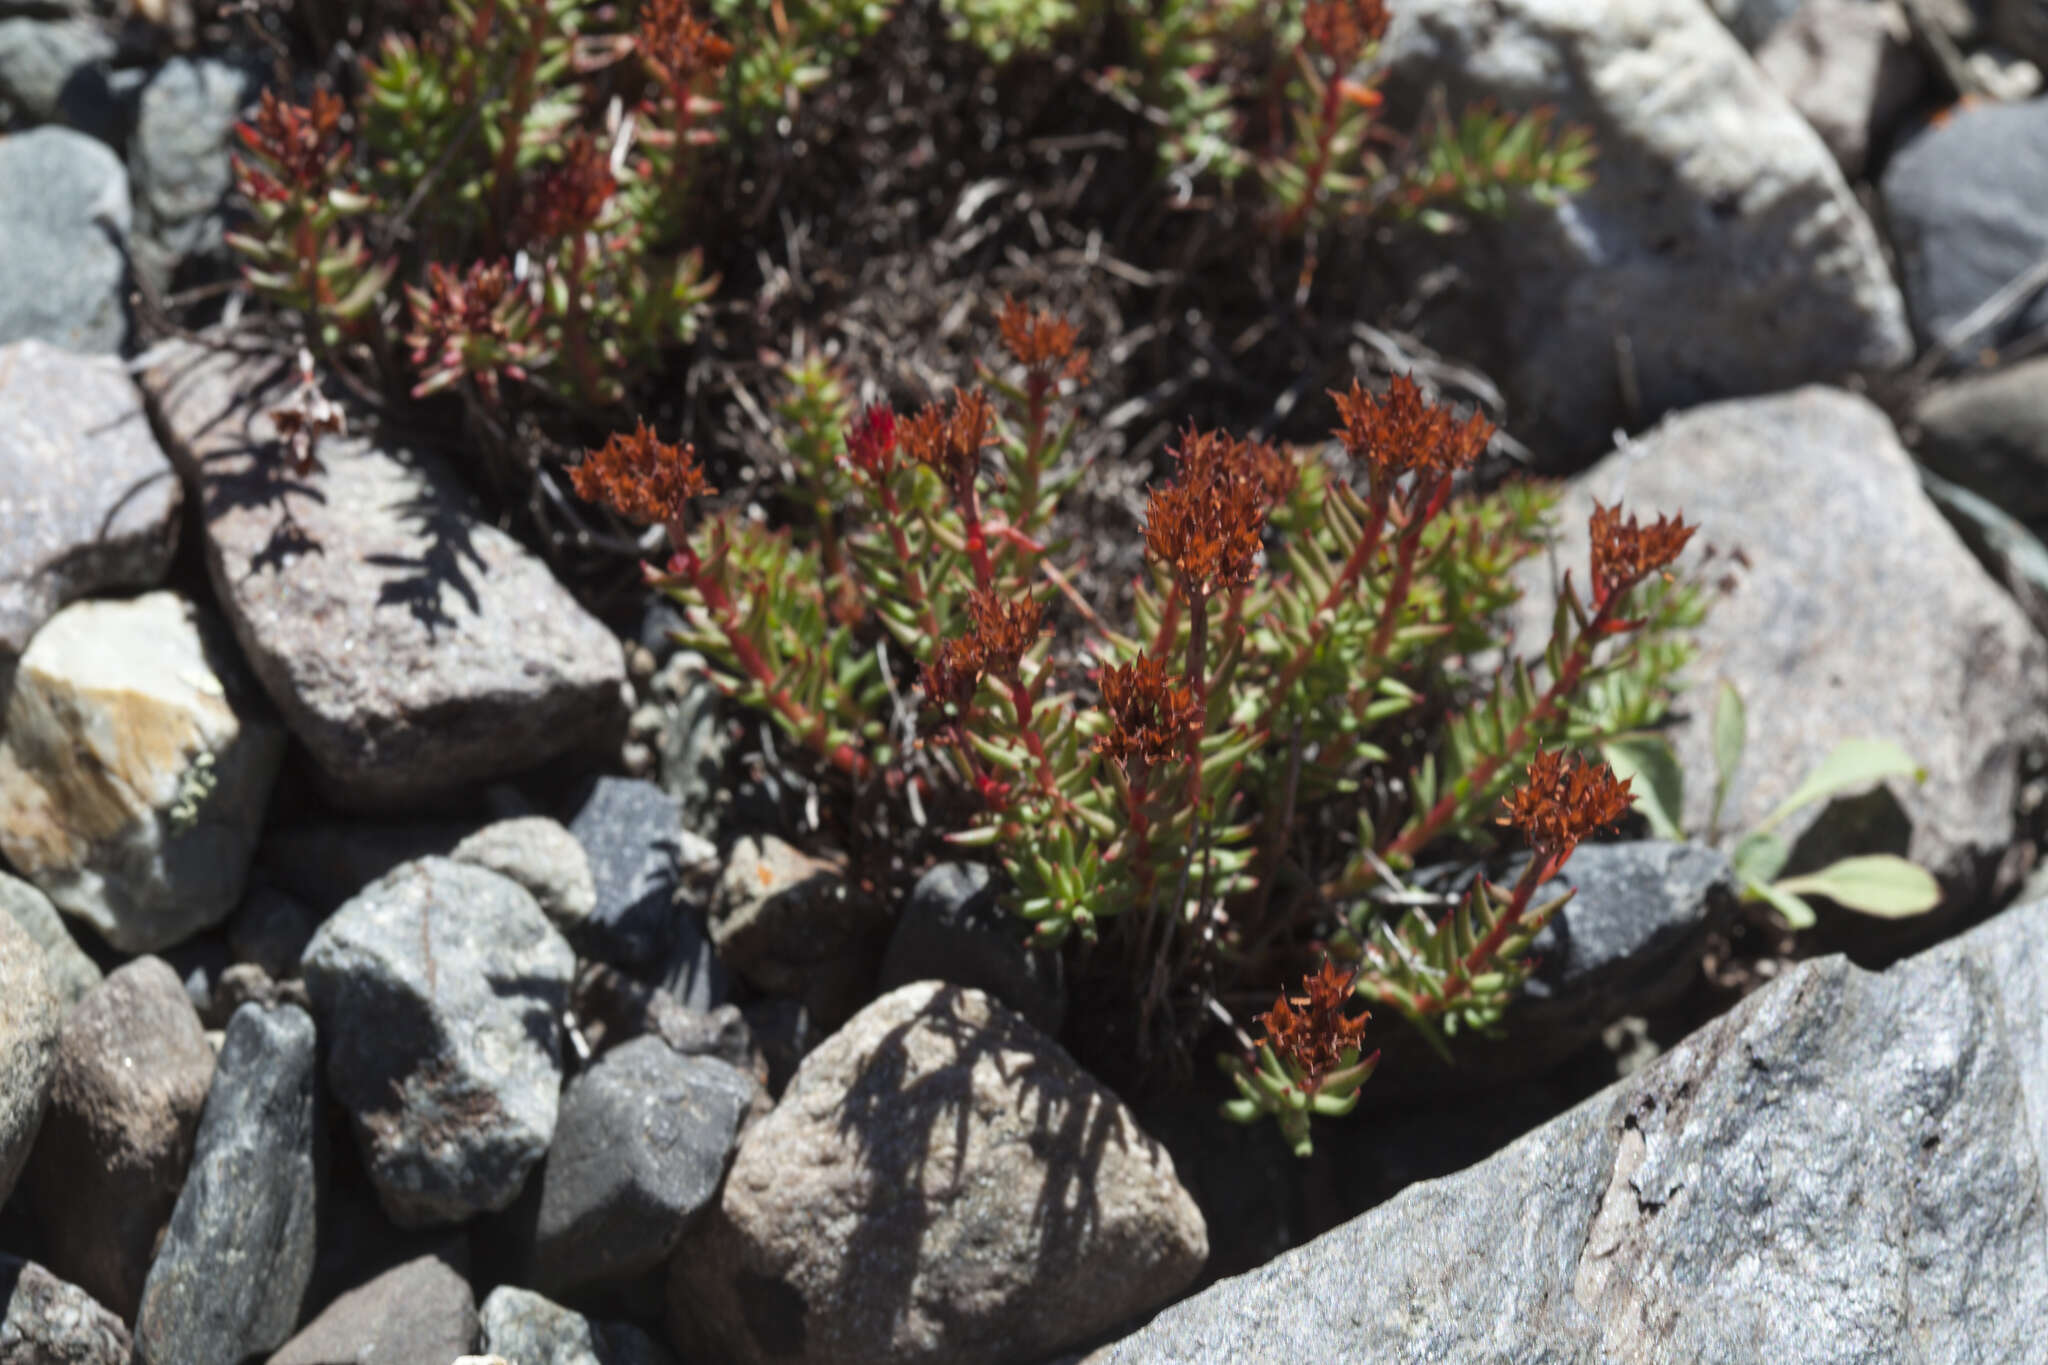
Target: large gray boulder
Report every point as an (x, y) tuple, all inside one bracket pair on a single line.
[(64, 220), (410, 646), (940, 1183), (70, 973), (1718, 252), (28, 1048), (1846, 1167)]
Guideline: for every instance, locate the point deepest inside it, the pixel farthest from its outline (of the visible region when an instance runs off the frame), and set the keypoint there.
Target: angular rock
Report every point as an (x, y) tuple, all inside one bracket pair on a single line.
[(50, 68), (953, 930), (631, 831), (411, 647), (232, 1273), (1989, 433), (43, 1319), (2008, 551), (1860, 615), (785, 922), (940, 1183), (422, 1310), (29, 1016), (135, 769), (89, 501), (441, 989), (1815, 1176), (1718, 251), (1967, 204), (133, 1070), (520, 1325), (178, 159), (643, 1141), (64, 219), (1851, 68), (66, 969), (541, 856)]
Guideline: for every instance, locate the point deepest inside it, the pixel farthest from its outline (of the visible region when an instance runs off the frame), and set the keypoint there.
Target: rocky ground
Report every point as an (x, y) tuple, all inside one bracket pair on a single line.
[(397, 966)]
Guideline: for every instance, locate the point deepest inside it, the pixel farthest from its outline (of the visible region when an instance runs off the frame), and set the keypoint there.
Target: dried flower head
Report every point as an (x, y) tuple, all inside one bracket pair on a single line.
[(1004, 632), (1565, 799), (1312, 1031), (1041, 342), (953, 673), (950, 442), (1625, 553), (677, 45), (871, 443), (641, 477), (571, 197), (304, 417), (1403, 432), (299, 148), (1151, 714), (1342, 28), (477, 323), (1206, 524)]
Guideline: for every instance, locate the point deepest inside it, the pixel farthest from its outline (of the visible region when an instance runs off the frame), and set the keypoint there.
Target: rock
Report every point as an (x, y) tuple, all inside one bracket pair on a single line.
[(68, 972), (135, 769), (2008, 551), (1851, 68), (2021, 25), (541, 856), (631, 831), (419, 1311), (29, 1016), (441, 989), (133, 1070), (953, 930), (1967, 203), (63, 232), (1859, 615), (271, 931), (691, 739), (521, 1326), (643, 1141), (1718, 251), (55, 71), (940, 1183), (1754, 21), (784, 921), (43, 1319), (411, 647), (231, 1276), (90, 502), (1811, 1177), (1989, 433), (178, 160), (325, 864)]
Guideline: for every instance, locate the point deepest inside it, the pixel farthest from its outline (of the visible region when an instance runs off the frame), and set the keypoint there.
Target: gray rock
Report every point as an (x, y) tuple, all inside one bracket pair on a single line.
[(422, 1310), (1859, 615), (133, 1070), (44, 1321), (64, 219), (521, 1326), (325, 864), (614, 1008), (50, 70), (541, 856), (29, 1016), (643, 1141), (1851, 68), (88, 498), (66, 969), (135, 769), (953, 930), (271, 931), (785, 921), (1816, 1176), (178, 159), (411, 647), (1989, 433), (631, 831), (232, 1273), (2008, 551), (441, 989), (1967, 204), (691, 742), (940, 1183), (1718, 251)]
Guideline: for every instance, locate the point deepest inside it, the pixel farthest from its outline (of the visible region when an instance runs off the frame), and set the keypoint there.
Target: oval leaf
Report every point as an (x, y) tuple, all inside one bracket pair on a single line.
[(1796, 913), (1759, 858), (1876, 884), (1854, 763), (1731, 733), (1655, 781)]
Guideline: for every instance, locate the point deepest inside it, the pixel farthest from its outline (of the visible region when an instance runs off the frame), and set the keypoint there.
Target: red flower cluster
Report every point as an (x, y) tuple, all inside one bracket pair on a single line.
[(571, 197), (1342, 28), (678, 46), (477, 323), (871, 443), (950, 443), (1625, 553), (300, 148), (1404, 433), (1150, 714), (1042, 343), (1312, 1032), (1207, 524), (1564, 800), (641, 477)]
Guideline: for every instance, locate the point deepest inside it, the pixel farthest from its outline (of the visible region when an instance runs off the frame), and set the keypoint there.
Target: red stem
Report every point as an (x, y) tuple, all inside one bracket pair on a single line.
[(1326, 134), (1354, 565)]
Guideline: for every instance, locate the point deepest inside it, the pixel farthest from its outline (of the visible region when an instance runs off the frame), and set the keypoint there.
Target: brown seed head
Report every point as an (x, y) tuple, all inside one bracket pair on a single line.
[(640, 477), (571, 197), (1004, 632), (1403, 432), (1206, 524), (1042, 343), (1342, 28), (1565, 799), (1312, 1031), (1151, 715), (953, 673), (1625, 553), (950, 443), (677, 45), (299, 149)]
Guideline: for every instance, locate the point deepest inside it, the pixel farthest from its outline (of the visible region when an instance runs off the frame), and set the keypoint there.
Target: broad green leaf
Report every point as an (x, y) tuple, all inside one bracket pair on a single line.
[(1797, 913), (1759, 858), (1880, 884), (1651, 770), (1731, 733), (1854, 763)]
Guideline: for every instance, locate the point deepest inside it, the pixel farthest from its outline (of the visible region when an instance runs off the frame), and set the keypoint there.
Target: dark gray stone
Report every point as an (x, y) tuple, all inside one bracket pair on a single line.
[(631, 831), (133, 1071), (441, 990), (29, 1015), (953, 930), (643, 1140), (66, 968), (1989, 433), (44, 1321), (422, 1311), (178, 160), (1967, 203), (231, 1276), (64, 219), (2021, 25), (520, 1325), (1823, 1174), (271, 930)]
